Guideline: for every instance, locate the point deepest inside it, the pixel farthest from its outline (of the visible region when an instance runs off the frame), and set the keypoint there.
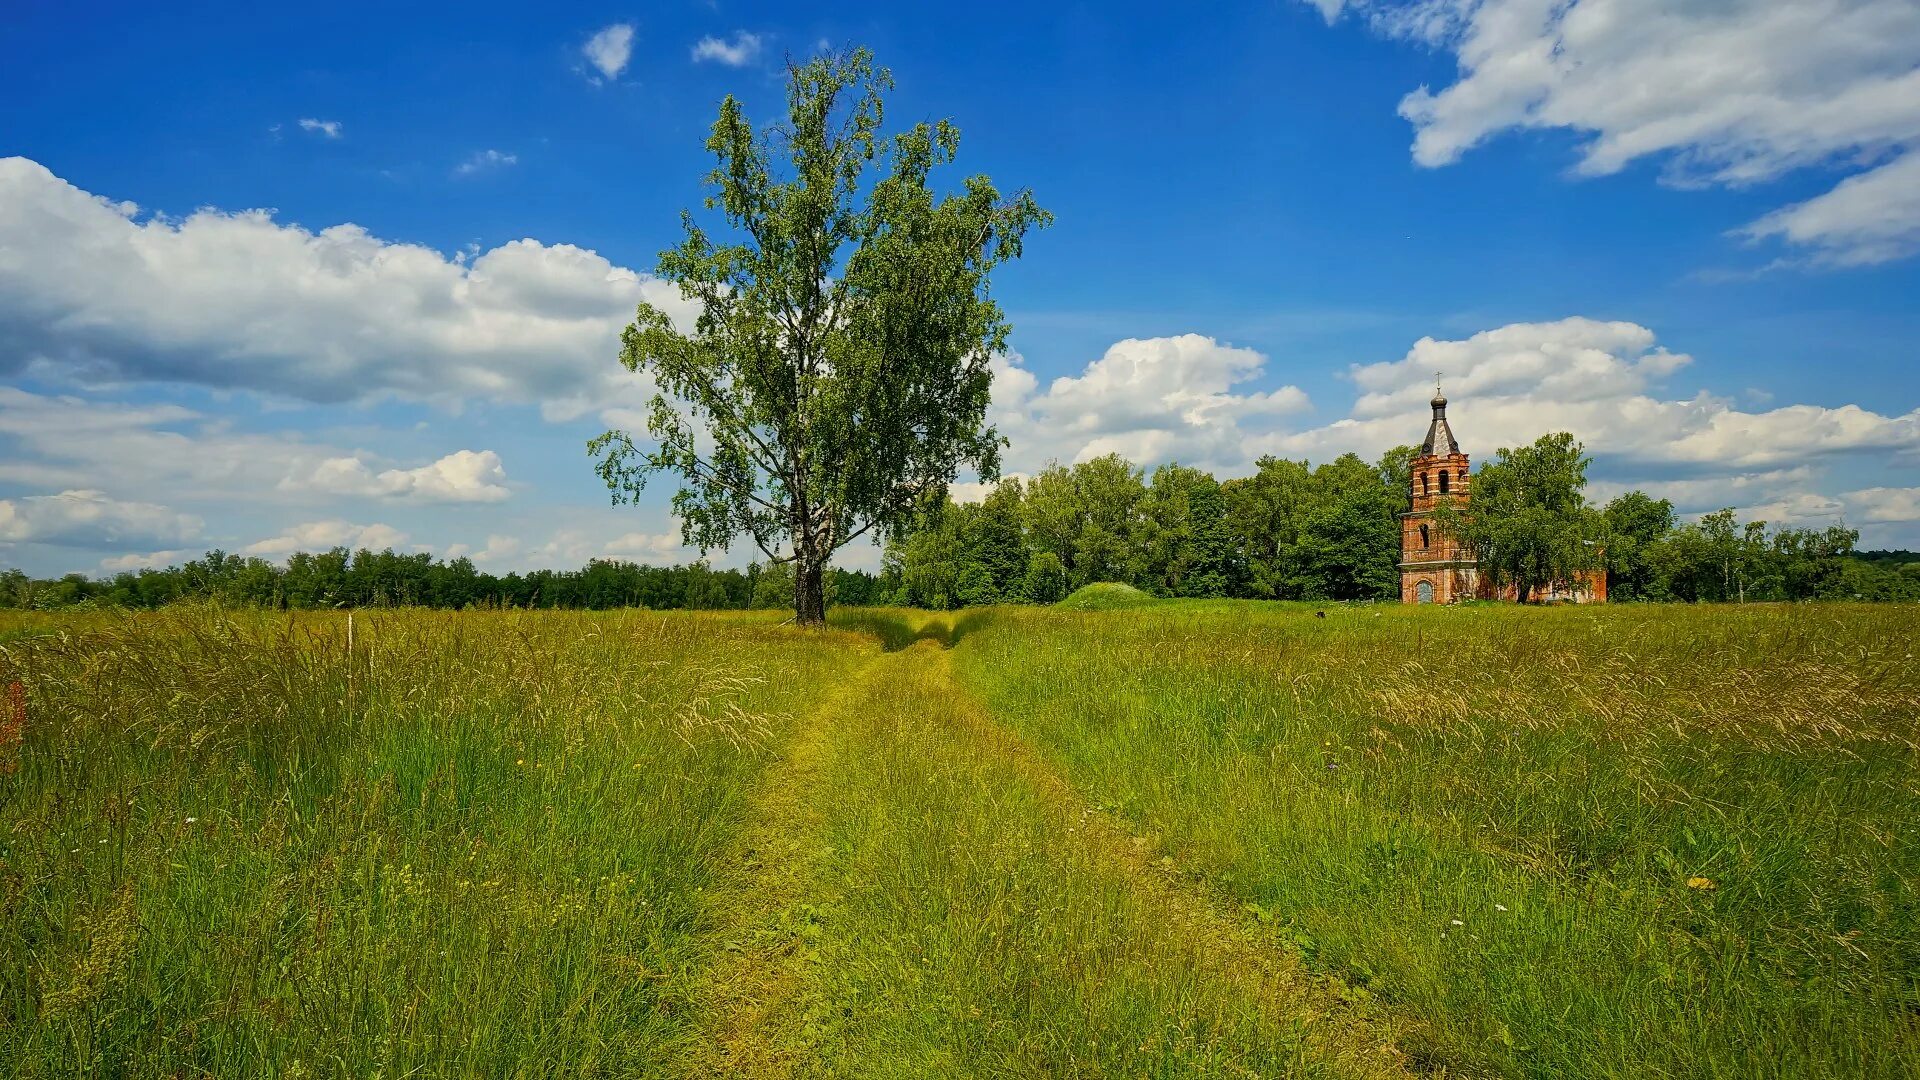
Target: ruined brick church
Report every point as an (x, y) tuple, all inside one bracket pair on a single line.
[(1434, 567)]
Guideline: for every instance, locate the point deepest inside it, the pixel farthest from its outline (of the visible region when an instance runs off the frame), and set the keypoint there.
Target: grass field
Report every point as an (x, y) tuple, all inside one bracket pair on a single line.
[(1134, 839)]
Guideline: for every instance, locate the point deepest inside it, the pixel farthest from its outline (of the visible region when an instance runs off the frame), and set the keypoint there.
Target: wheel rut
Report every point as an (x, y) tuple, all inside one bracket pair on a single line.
[(757, 1005)]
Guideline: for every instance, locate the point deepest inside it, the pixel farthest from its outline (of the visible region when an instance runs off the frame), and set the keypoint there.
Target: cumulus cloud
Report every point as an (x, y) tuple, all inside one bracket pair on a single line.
[(66, 441), (498, 548), (485, 161), (575, 546), (462, 476), (1150, 399), (1884, 504), (1724, 91), (114, 564), (87, 518), (741, 51), (609, 49), (1870, 218), (330, 129), (324, 535), (1598, 380), (1610, 383), (645, 546), (92, 291)]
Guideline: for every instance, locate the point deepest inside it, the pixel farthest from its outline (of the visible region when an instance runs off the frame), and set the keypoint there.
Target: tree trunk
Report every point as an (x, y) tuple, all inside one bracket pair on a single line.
[(810, 592)]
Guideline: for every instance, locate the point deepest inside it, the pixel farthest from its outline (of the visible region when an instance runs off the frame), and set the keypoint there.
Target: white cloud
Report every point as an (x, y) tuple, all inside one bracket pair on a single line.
[(90, 291), (1725, 91), (485, 161), (1696, 495), (89, 519), (70, 442), (575, 546), (1606, 382), (1597, 380), (328, 128), (973, 491), (114, 564), (462, 476), (1884, 504), (315, 536), (609, 49), (497, 549), (1149, 399), (1870, 218), (741, 51), (645, 547)]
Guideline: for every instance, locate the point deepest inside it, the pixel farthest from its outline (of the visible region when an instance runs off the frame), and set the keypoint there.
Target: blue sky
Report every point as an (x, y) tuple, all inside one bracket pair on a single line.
[(374, 262)]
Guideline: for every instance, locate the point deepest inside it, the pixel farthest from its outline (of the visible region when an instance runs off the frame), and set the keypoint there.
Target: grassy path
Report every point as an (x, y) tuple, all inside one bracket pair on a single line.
[(744, 1000), (920, 894)]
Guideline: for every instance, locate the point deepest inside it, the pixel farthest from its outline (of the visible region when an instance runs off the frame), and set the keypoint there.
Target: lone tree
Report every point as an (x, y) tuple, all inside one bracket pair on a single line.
[(1529, 524), (837, 376)]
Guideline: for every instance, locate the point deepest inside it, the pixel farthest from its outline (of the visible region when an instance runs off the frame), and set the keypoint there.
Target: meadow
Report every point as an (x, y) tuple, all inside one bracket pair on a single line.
[(1117, 837)]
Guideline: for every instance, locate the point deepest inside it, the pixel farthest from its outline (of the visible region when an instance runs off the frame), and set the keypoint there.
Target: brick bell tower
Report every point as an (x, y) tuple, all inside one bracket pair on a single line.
[(1434, 569)]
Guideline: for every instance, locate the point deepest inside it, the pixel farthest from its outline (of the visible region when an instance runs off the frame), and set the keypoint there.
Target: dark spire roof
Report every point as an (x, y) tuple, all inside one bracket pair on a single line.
[(1439, 435)]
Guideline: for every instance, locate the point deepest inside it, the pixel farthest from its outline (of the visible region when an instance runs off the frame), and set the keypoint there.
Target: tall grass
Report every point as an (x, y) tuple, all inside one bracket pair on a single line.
[(1575, 842), (969, 916), (1581, 842), (472, 846)]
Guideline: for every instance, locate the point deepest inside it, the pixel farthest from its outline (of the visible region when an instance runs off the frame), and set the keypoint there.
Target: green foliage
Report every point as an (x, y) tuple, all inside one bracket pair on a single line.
[(1180, 543), (362, 579), (1636, 524), (1529, 523), (1046, 580), (837, 375), (1293, 531)]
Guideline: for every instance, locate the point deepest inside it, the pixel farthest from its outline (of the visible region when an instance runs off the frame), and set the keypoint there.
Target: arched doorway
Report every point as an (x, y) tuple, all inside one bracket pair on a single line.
[(1423, 593)]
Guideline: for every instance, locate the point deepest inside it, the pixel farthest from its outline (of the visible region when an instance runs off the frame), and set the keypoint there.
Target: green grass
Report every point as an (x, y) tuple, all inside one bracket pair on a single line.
[(1160, 838), (1105, 596), (1490, 817), (475, 846)]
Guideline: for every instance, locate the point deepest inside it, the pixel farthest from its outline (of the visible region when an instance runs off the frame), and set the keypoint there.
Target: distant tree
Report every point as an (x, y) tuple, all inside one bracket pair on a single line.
[(1529, 524), (1046, 578), (1396, 475), (1811, 563), (773, 586), (1636, 522), (1181, 545), (1086, 517), (993, 547), (1349, 543), (837, 377), (1265, 513)]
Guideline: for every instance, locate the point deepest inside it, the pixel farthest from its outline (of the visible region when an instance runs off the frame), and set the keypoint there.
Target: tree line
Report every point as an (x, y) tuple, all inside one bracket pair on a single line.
[(1293, 531), (359, 579), (1290, 531)]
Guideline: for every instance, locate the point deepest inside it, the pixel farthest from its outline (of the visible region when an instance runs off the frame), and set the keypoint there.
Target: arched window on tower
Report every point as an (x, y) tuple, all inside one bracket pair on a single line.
[(1443, 481), (1424, 538), (1424, 489), (1463, 476)]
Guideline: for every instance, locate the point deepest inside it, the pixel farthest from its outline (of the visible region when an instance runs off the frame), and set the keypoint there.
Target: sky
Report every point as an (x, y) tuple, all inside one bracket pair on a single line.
[(276, 279)]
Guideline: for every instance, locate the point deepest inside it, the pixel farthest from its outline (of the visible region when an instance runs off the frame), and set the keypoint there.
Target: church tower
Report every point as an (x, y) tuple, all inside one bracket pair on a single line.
[(1434, 568)]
